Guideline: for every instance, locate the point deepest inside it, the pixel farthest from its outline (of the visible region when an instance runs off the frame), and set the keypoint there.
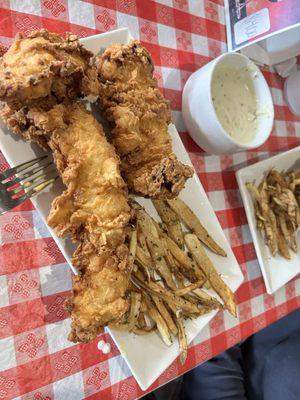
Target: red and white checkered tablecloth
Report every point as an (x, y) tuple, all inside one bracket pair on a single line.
[(35, 280)]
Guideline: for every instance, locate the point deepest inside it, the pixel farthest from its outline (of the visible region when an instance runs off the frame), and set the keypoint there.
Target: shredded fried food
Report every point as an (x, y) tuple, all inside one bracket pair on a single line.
[(139, 116), (276, 204)]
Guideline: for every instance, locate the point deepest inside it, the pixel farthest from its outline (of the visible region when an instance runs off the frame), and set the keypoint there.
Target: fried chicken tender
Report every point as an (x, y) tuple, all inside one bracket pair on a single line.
[(100, 293), (45, 64), (139, 116), (93, 209), (40, 76)]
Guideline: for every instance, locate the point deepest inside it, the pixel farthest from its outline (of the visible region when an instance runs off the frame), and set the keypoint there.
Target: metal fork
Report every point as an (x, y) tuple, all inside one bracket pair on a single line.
[(22, 182)]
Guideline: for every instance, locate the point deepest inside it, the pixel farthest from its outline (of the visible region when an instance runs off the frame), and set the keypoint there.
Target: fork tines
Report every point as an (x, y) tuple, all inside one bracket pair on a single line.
[(25, 180)]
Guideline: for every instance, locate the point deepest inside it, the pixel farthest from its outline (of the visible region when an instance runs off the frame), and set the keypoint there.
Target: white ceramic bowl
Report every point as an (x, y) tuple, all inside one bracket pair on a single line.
[(199, 113)]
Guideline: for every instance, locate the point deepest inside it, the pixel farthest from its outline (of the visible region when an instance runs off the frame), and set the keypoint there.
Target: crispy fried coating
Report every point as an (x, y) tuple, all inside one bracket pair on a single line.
[(97, 195), (45, 64), (139, 116), (17, 121), (93, 209), (100, 292), (99, 203), (40, 76)]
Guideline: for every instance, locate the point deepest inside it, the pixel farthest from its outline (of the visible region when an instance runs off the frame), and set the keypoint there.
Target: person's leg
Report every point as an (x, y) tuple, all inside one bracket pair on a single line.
[(256, 349), (220, 378), (170, 391), (281, 376), (240, 370)]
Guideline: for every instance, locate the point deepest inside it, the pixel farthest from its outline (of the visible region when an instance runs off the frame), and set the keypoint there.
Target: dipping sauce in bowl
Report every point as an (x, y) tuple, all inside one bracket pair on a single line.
[(227, 105), (235, 102)]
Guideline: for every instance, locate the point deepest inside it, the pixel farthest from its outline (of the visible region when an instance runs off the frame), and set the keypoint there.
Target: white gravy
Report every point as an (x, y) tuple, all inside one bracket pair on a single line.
[(235, 102)]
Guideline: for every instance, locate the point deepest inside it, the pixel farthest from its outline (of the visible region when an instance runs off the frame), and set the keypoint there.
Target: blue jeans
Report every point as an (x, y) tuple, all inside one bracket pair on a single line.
[(264, 367)]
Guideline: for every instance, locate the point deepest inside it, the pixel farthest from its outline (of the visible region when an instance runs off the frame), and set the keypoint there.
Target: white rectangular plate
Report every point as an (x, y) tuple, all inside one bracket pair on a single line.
[(277, 271), (146, 356)]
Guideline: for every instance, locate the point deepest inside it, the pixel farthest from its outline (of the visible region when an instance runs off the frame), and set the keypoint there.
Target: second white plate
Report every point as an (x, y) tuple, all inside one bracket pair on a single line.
[(277, 271)]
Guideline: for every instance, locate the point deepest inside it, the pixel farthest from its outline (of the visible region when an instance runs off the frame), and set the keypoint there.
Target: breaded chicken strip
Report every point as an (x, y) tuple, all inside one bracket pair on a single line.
[(139, 116), (100, 293), (45, 64), (93, 209)]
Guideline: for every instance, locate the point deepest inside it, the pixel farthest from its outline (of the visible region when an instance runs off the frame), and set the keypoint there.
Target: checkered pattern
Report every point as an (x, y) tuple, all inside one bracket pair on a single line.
[(182, 35)]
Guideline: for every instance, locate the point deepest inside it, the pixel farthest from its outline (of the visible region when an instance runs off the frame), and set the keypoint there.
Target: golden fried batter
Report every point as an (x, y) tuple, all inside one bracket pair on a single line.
[(89, 168), (99, 203), (39, 77), (140, 116), (17, 122), (100, 292), (45, 64), (93, 209)]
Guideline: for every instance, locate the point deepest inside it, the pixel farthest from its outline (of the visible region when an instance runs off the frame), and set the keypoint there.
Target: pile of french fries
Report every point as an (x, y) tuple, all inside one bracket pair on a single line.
[(168, 283), (276, 203)]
